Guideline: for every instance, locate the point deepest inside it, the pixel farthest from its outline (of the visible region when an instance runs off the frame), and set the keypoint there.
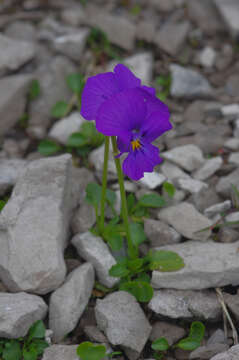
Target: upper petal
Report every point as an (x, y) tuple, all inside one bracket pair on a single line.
[(97, 89), (155, 125), (125, 78), (140, 161), (122, 113)]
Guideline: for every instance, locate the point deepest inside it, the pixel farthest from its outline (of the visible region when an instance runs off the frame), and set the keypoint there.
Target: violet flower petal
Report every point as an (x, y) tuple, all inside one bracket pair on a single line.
[(155, 125), (125, 78)]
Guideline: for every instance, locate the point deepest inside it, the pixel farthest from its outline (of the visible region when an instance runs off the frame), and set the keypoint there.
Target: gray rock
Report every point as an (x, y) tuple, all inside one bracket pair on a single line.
[(10, 171), (231, 86), (224, 185), (236, 129), (205, 198), (140, 64), (172, 36), (217, 208), (202, 269), (61, 352), (145, 30), (171, 332), (72, 45), (231, 354), (187, 221), (152, 180), (205, 15), (230, 13), (232, 144), (123, 321), (34, 226), (83, 219), (94, 334), (207, 351), (189, 157), (172, 171), (190, 185), (207, 57), (211, 139), (232, 302), (18, 312), (177, 304), (73, 16), (14, 54), (230, 110), (189, 84), (209, 168), (159, 233), (218, 337), (13, 100), (21, 30), (93, 249), (65, 127), (52, 77), (96, 157), (69, 301), (119, 29), (234, 158), (227, 235), (85, 177)]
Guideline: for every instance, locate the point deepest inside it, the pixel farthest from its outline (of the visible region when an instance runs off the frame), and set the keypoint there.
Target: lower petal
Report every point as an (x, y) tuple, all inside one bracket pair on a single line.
[(140, 161)]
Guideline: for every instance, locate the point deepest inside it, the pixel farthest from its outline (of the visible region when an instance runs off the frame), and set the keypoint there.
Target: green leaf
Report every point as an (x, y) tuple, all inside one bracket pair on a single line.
[(12, 351), (112, 235), (169, 189), (2, 204), (88, 351), (164, 260), (110, 197), (197, 330), (131, 200), (142, 291), (152, 200), (93, 194), (34, 90), (76, 140), (37, 330), (48, 147), (30, 353), (83, 151), (188, 344), (94, 137), (40, 345), (143, 277), (137, 233), (119, 270), (135, 264), (75, 82), (160, 344), (59, 110)]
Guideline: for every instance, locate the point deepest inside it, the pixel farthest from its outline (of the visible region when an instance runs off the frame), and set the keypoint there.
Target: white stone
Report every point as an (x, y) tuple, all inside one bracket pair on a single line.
[(123, 321), (209, 168), (172, 171), (236, 130), (230, 110), (69, 301), (152, 180), (34, 226), (72, 45), (61, 352), (189, 157), (140, 64), (207, 265), (10, 171), (65, 127), (94, 250), (191, 185), (224, 185), (232, 144), (217, 208), (18, 312), (234, 158), (96, 158), (229, 10), (186, 220), (231, 354), (177, 304), (233, 217), (14, 54), (207, 57)]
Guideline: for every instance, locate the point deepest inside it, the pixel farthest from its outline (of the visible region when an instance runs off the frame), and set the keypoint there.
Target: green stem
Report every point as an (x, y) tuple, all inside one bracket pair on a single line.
[(132, 251), (104, 185)]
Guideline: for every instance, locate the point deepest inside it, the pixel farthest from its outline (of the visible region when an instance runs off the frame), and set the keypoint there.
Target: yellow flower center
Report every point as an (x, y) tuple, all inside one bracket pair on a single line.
[(135, 144)]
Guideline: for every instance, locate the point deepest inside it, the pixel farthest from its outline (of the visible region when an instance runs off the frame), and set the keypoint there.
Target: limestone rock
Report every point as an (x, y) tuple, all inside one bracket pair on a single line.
[(231, 354), (202, 268), (34, 226), (72, 45), (10, 171), (69, 301), (18, 312), (189, 157), (60, 352)]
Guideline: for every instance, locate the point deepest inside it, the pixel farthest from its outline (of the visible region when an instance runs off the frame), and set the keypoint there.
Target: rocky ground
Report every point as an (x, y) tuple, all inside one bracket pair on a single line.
[(188, 50)]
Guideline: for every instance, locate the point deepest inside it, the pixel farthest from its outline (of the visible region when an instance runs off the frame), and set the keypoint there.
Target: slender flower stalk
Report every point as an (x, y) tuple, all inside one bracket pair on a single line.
[(132, 251), (104, 185)]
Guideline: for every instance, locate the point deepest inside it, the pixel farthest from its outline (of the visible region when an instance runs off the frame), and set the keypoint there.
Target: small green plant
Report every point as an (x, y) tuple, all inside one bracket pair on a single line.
[(33, 93), (135, 10), (101, 46), (190, 343), (89, 351), (3, 203), (31, 347), (164, 83)]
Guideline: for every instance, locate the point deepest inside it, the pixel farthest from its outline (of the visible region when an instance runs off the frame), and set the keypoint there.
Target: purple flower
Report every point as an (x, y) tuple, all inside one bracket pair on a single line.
[(102, 87), (137, 119)]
